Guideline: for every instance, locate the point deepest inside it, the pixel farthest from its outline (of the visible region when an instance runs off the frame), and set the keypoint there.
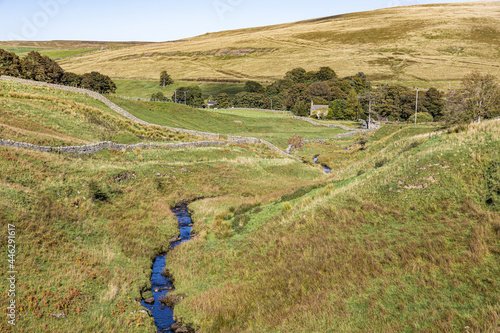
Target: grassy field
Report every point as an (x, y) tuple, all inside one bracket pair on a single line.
[(407, 239), (49, 117), (402, 236), (20, 50), (276, 130), (145, 88), (89, 226), (426, 45), (61, 54)]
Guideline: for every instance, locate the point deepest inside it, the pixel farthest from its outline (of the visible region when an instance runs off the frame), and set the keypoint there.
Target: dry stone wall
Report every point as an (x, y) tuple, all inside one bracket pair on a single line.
[(96, 147), (110, 104), (91, 149)]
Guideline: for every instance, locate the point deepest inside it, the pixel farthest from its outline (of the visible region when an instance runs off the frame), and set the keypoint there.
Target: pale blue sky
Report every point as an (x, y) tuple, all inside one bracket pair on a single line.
[(161, 20)]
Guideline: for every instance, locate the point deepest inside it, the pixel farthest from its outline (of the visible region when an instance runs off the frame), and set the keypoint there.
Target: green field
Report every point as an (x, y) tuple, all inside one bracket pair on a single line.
[(143, 89), (61, 54), (19, 50), (252, 113), (44, 116), (276, 130)]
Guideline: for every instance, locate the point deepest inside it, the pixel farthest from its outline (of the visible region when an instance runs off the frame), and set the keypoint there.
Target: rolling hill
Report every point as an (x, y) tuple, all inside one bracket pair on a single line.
[(429, 44)]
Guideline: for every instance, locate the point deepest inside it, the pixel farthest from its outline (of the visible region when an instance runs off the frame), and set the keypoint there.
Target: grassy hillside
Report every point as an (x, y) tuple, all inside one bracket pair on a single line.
[(276, 129), (145, 88), (89, 226), (44, 116), (410, 244), (424, 45)]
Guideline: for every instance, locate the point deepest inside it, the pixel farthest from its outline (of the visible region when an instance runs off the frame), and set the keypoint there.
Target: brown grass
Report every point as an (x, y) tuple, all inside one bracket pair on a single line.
[(418, 35)]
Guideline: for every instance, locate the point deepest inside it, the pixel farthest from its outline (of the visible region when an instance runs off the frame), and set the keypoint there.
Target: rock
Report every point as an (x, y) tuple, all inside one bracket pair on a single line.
[(174, 239), (173, 300), (150, 300), (175, 326), (61, 315), (182, 330)]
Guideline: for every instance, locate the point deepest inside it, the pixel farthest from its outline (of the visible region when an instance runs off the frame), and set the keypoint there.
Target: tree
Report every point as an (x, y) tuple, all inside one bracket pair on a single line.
[(479, 98), (296, 75), (338, 108), (434, 103), (10, 64), (351, 106), (41, 68), (321, 89), (254, 87), (192, 96), (72, 79), (158, 97), (223, 101), (98, 82), (325, 74), (165, 79), (249, 100)]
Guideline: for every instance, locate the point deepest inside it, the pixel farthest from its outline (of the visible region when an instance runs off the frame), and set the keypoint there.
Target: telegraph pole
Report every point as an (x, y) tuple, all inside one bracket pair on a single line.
[(369, 114), (358, 109), (416, 109), (175, 96), (185, 99)]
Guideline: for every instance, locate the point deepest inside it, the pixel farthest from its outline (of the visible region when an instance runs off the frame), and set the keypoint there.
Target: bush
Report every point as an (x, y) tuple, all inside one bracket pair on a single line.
[(422, 117)]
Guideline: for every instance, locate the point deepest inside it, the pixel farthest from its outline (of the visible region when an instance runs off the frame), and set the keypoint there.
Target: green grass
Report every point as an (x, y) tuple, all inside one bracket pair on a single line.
[(252, 113), (143, 89), (19, 50), (274, 130), (44, 116), (410, 246), (403, 236), (61, 54)]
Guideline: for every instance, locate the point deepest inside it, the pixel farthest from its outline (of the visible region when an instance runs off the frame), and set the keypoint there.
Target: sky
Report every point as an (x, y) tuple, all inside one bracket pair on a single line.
[(162, 20)]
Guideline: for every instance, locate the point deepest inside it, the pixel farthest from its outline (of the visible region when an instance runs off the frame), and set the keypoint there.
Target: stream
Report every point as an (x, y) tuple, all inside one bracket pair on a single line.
[(325, 167), (160, 284)]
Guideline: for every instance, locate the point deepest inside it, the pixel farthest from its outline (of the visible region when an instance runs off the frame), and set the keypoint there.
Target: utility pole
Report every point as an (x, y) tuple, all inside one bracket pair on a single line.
[(185, 99), (358, 108), (175, 96), (369, 114), (416, 109)]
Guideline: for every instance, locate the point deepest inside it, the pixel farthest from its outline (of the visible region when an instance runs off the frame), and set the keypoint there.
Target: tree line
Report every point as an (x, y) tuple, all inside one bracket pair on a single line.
[(36, 67), (353, 97)]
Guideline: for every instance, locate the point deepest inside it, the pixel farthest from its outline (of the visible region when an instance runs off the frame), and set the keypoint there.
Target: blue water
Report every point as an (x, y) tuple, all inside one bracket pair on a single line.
[(326, 168), (160, 285)]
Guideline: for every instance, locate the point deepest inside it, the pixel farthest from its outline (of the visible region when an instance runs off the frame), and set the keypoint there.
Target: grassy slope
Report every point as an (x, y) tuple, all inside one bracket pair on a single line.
[(275, 130), (145, 88), (44, 116), (416, 44), (89, 258), (410, 245)]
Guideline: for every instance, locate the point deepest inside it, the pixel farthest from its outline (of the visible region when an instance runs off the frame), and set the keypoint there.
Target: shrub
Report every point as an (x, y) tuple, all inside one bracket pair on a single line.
[(422, 117)]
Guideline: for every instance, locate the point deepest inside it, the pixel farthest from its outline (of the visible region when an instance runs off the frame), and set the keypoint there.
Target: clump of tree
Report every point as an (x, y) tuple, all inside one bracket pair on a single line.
[(165, 79), (158, 97), (478, 99), (10, 64), (191, 96), (36, 67), (223, 101), (98, 82)]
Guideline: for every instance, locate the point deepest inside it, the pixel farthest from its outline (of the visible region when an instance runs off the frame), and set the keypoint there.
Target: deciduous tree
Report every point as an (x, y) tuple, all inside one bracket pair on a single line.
[(165, 79)]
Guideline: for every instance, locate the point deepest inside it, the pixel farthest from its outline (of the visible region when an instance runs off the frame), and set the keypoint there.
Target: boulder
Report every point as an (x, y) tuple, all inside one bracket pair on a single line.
[(149, 300)]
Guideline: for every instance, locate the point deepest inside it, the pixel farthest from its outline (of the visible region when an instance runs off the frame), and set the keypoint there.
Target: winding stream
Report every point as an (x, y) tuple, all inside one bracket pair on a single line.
[(160, 284), (325, 167)]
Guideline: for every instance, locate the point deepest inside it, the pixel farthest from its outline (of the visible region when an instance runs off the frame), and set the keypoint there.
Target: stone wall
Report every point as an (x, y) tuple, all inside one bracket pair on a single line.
[(265, 110), (91, 149), (96, 147)]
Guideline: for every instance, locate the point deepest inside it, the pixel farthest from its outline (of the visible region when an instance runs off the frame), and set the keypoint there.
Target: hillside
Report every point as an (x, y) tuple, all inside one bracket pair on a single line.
[(415, 44)]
